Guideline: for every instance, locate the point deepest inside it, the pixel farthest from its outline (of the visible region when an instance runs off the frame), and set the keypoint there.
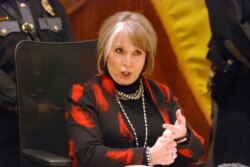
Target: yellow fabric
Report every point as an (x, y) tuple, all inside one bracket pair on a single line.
[(187, 25)]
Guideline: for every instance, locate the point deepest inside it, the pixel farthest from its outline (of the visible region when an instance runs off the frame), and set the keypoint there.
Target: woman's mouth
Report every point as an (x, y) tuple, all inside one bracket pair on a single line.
[(126, 73)]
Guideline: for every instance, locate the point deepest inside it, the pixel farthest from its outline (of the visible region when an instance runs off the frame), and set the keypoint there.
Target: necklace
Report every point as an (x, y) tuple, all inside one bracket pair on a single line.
[(133, 96), (144, 116)]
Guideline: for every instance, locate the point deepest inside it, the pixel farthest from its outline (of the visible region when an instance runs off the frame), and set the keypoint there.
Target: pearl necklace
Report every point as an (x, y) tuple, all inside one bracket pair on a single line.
[(134, 96), (144, 115)]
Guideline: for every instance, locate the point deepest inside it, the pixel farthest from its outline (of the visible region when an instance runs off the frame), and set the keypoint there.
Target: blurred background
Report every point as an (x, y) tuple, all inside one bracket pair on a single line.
[(183, 34)]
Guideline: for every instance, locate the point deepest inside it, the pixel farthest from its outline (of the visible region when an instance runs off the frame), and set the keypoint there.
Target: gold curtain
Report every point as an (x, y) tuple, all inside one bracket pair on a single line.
[(187, 25)]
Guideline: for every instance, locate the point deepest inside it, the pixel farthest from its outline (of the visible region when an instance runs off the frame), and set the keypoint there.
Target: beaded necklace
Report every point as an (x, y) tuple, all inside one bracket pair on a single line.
[(133, 96), (127, 97)]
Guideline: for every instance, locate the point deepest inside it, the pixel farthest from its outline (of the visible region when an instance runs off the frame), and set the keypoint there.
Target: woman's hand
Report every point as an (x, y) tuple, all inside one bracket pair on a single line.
[(164, 150), (179, 128)]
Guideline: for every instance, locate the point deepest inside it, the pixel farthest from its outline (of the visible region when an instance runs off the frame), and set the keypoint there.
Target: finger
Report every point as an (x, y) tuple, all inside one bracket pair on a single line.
[(167, 132), (168, 139), (172, 158), (170, 127), (174, 155), (168, 135), (171, 147), (162, 140), (174, 131), (173, 143), (180, 119)]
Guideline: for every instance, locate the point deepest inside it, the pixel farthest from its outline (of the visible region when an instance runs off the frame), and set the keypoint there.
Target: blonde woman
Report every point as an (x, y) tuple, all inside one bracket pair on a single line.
[(122, 118)]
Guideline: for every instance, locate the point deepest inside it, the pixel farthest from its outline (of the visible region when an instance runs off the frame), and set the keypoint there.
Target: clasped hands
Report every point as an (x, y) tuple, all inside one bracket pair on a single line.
[(164, 151)]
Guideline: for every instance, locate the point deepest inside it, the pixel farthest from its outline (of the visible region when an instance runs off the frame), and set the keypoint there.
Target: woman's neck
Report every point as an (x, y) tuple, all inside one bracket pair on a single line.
[(131, 88)]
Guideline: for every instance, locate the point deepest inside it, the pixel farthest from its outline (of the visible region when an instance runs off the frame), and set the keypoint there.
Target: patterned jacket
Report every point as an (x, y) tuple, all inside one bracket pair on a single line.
[(100, 136)]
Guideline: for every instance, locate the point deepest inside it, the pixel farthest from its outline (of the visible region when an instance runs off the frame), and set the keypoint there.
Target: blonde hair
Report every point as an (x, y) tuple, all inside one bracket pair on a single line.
[(138, 29)]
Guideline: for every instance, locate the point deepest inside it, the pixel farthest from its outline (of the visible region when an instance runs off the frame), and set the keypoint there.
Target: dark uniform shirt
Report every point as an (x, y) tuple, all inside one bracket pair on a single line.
[(48, 28), (230, 24), (13, 14)]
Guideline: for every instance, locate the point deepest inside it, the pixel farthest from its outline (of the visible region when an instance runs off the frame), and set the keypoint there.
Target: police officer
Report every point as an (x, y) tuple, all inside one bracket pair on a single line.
[(40, 20), (229, 52)]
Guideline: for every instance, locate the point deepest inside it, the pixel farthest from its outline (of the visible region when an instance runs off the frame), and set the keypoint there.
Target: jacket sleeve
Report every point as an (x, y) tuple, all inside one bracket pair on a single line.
[(190, 150), (85, 131)]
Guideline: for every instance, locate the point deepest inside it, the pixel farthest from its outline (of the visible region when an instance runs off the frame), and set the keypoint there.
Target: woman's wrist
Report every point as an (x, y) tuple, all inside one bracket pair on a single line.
[(182, 139)]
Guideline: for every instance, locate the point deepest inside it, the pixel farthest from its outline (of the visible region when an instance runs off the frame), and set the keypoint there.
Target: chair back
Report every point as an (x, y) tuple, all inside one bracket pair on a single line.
[(45, 71)]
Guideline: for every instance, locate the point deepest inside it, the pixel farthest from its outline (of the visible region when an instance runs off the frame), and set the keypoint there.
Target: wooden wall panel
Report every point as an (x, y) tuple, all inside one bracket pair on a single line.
[(86, 22)]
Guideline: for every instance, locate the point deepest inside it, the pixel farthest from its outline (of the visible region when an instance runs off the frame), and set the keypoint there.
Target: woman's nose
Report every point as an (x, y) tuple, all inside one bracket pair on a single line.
[(127, 60)]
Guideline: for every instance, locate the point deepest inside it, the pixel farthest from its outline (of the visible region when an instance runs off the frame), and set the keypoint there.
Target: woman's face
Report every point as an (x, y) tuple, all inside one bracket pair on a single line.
[(125, 61)]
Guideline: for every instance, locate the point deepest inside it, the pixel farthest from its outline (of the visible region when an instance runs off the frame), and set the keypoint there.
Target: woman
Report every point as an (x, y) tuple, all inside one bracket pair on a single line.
[(121, 118)]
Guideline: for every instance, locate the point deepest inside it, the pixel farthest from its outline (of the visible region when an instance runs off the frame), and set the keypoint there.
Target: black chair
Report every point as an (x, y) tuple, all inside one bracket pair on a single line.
[(45, 72)]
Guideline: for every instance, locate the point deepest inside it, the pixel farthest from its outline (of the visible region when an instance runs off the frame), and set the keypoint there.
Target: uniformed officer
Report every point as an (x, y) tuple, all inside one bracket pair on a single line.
[(229, 50), (40, 20)]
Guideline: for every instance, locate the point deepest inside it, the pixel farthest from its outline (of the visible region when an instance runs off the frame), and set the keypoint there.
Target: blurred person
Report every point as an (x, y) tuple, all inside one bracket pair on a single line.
[(38, 20), (229, 50), (121, 118)]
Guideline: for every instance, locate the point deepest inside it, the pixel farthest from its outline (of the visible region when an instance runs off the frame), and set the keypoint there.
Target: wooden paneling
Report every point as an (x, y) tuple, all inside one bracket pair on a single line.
[(86, 22), (72, 5)]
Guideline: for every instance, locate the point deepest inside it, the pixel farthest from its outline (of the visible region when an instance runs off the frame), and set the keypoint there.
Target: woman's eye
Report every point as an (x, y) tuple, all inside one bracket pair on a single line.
[(118, 50), (137, 52)]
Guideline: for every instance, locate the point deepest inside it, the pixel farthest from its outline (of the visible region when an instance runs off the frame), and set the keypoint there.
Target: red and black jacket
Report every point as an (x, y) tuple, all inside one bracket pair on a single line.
[(95, 116)]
